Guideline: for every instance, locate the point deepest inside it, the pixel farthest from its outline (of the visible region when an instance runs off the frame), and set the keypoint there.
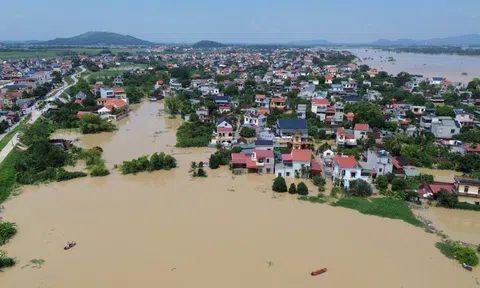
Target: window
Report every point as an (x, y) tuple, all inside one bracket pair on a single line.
[(268, 170), (268, 160), (477, 203), (452, 131), (279, 175), (465, 189), (354, 174), (288, 174), (380, 170)]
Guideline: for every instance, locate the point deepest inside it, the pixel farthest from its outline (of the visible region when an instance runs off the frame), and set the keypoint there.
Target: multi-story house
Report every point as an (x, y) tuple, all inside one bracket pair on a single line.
[(379, 161), (345, 170), (302, 111), (224, 133), (319, 107), (467, 189), (277, 103), (334, 115), (345, 137), (464, 118), (444, 127), (106, 93), (255, 120), (296, 163), (360, 131), (258, 160), (262, 101), (263, 144)]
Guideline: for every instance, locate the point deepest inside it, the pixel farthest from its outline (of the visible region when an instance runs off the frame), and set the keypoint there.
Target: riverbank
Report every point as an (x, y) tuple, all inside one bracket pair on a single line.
[(219, 231)]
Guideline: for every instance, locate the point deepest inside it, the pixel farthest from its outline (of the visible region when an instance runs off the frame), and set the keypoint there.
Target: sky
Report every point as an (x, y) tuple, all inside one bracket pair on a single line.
[(246, 21)]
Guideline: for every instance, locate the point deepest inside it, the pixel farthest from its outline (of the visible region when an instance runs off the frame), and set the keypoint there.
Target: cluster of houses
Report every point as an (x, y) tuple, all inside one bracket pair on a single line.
[(114, 101)]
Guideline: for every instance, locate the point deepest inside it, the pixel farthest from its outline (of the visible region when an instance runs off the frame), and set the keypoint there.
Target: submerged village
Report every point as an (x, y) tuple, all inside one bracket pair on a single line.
[(322, 126)]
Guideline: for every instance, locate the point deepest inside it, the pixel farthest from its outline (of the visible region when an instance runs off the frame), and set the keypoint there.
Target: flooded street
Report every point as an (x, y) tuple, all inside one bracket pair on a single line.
[(165, 229), (448, 66)]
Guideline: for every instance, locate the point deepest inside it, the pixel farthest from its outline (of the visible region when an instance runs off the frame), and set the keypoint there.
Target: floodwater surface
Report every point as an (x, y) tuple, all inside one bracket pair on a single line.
[(448, 66), (165, 229)]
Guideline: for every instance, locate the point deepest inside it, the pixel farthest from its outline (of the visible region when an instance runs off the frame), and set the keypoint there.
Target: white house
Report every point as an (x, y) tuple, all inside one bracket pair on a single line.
[(224, 133), (298, 161), (319, 107), (360, 131), (107, 93), (255, 120), (346, 169)]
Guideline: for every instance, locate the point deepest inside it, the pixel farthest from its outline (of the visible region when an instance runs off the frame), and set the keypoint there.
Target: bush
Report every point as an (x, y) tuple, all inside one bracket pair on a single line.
[(335, 191), (399, 184), (279, 185), (6, 261), (467, 206), (381, 182), (200, 164), (213, 162), (63, 175), (170, 162), (302, 189), (318, 180), (292, 189), (194, 134), (446, 199), (201, 173), (237, 149), (92, 123), (156, 162), (99, 171), (7, 231), (466, 255), (361, 188)]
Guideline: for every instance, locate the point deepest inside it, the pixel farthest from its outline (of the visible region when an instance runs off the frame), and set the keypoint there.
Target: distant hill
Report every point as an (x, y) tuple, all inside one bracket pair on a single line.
[(98, 38), (463, 40), (207, 44), (309, 43)]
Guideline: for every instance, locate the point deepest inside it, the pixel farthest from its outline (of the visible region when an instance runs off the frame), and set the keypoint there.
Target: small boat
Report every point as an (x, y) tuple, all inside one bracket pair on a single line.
[(71, 245), (469, 268), (318, 272), (153, 99)]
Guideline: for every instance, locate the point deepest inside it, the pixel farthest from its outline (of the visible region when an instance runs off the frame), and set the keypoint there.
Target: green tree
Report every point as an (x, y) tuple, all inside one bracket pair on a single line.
[(287, 82), (57, 77), (213, 162), (92, 123), (381, 182), (279, 185), (248, 132), (170, 162), (133, 94), (201, 173), (361, 188), (302, 189), (292, 189), (445, 111), (466, 255), (399, 184), (173, 105), (446, 199)]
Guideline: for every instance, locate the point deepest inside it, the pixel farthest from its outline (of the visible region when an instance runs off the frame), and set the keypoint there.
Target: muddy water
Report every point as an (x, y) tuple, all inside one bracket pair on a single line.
[(164, 229), (457, 224), (448, 66), (440, 175)]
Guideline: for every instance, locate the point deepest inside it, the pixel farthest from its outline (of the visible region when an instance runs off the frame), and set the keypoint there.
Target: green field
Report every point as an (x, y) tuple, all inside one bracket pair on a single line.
[(69, 80), (116, 71), (54, 52)]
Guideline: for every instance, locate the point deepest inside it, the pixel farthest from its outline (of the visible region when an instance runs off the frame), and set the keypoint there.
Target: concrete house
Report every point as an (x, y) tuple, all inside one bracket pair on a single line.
[(224, 134), (345, 137), (263, 144), (286, 128), (379, 162), (442, 127), (262, 101), (468, 190), (302, 111), (255, 120), (345, 170), (106, 93), (294, 163), (464, 118), (259, 160), (360, 131), (319, 107)]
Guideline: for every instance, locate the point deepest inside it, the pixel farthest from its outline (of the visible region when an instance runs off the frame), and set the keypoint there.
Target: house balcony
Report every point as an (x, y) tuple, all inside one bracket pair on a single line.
[(468, 194)]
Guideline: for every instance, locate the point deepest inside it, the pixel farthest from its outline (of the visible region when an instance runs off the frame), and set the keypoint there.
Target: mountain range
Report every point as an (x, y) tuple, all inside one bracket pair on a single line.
[(115, 39), (98, 38)]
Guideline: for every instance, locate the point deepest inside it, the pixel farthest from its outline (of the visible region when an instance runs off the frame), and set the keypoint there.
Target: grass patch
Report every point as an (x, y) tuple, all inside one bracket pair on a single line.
[(7, 174), (382, 207), (467, 206), (454, 250), (12, 133), (447, 249), (46, 53), (69, 80), (78, 69), (313, 199)]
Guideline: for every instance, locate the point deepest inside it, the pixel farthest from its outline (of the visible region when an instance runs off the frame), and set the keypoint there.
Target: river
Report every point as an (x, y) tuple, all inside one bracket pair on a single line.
[(448, 66), (165, 229)]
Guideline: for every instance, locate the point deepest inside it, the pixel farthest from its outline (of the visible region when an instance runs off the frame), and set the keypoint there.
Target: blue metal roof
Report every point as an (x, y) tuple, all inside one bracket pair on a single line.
[(263, 142), (292, 123)]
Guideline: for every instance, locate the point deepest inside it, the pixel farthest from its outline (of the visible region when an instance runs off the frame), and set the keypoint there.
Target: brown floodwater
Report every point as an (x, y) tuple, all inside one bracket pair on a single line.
[(459, 225), (165, 229), (440, 175)]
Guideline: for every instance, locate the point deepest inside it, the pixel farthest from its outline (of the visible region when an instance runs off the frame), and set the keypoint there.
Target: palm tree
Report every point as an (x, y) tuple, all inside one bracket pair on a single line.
[(193, 165), (395, 143)]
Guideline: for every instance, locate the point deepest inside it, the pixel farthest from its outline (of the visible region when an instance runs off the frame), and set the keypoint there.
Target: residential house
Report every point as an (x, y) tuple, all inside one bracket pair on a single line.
[(328, 79), (80, 96), (372, 73), (345, 170), (119, 93), (118, 80), (302, 111), (467, 189), (336, 88), (277, 103), (360, 131), (285, 128), (319, 107), (255, 120), (263, 144), (352, 100), (345, 137), (222, 100), (379, 162), (114, 109), (444, 127), (464, 118), (437, 80), (225, 108), (418, 110), (334, 114), (296, 163), (203, 115), (262, 101), (225, 133), (106, 93), (259, 161)]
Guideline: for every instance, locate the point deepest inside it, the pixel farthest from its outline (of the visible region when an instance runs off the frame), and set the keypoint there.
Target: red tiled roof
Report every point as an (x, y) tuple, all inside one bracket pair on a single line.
[(263, 153), (321, 102), (302, 155), (396, 164), (239, 158), (315, 166), (78, 101), (118, 90), (350, 136), (117, 103), (469, 148), (259, 96), (223, 129), (328, 78), (363, 127), (436, 186), (287, 157), (345, 162), (250, 164), (340, 130), (263, 110)]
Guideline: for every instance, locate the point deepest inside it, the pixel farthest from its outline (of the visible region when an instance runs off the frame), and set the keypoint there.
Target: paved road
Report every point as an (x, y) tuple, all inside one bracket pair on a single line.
[(35, 115)]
